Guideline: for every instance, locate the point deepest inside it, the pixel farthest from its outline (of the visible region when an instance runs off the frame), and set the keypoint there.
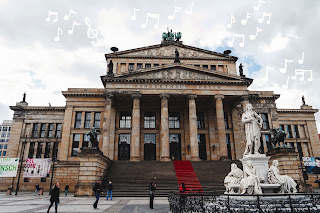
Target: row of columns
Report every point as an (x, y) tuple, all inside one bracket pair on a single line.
[(164, 127)]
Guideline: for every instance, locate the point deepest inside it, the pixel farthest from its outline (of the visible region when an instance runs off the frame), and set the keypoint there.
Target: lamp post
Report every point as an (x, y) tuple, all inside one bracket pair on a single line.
[(53, 160), (21, 160)]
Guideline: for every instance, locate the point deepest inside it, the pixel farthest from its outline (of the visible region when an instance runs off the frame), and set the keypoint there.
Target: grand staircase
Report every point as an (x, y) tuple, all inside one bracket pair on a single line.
[(132, 179)]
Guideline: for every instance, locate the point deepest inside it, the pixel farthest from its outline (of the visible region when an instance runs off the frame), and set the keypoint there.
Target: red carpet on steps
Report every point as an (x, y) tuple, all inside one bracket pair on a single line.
[(185, 174)]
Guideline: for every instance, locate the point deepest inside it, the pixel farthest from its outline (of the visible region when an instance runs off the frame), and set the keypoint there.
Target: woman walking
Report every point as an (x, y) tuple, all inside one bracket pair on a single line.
[(55, 192)]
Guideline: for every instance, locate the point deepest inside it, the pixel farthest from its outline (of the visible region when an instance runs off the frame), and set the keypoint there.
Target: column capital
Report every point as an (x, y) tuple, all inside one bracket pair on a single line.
[(136, 95), (164, 95), (108, 95), (192, 96), (219, 96), (244, 97)]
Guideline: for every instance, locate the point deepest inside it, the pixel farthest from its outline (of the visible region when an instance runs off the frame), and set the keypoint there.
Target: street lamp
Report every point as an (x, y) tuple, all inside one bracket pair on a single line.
[(21, 160), (54, 153)]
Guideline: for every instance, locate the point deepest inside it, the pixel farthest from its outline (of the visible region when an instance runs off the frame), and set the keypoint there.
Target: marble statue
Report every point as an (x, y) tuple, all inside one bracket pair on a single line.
[(288, 185), (253, 123), (234, 177), (250, 184)]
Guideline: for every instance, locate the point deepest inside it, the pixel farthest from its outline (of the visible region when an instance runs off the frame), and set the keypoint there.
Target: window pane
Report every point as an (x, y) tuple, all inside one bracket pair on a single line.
[(125, 120), (150, 120), (97, 119), (150, 138), (78, 119), (124, 138), (87, 120)]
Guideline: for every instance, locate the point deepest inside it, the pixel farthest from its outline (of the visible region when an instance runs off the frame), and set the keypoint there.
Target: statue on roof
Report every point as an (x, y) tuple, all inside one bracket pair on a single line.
[(241, 70), (110, 69), (303, 100), (171, 36), (24, 97)]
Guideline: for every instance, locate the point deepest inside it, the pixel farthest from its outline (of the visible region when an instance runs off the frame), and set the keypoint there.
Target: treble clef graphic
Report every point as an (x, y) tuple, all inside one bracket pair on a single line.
[(91, 33)]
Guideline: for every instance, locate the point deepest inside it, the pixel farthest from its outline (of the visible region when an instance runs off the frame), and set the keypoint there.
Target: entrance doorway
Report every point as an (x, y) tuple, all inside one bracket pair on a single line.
[(124, 147), (149, 147), (175, 146), (202, 146)]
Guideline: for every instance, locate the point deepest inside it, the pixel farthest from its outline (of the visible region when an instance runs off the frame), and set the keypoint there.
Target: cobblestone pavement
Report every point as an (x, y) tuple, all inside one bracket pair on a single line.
[(27, 203)]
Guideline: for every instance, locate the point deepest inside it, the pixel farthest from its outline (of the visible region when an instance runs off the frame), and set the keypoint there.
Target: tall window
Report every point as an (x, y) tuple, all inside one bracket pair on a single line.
[(269, 145), (97, 119), (4, 153), (5, 146), (282, 127), (124, 138), (125, 120), (148, 66), (8, 134), (296, 131), (205, 66), (35, 130), (47, 150), (200, 120), (58, 130), (4, 129), (39, 150), (139, 66), (75, 144), (289, 131), (226, 123), (131, 67), (149, 120), (55, 150), (213, 67), (43, 131), (265, 123), (31, 150), (50, 131), (174, 120), (78, 120), (86, 139), (228, 146), (1, 146), (87, 120)]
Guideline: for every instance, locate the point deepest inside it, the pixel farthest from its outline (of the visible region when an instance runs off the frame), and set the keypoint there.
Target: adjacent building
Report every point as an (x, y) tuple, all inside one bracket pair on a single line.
[(5, 129), (161, 102)]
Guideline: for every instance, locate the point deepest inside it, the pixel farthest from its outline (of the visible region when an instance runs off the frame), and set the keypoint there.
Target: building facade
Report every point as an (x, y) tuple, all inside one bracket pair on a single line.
[(5, 130), (152, 108)]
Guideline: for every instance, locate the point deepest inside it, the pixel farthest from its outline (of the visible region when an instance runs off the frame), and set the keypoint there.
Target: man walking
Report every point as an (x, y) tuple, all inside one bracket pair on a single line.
[(37, 191), (97, 190), (110, 187), (55, 192), (66, 190), (152, 188)]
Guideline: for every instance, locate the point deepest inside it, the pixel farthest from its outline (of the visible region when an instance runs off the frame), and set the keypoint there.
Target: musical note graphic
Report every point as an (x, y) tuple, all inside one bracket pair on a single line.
[(300, 61), (244, 21), (286, 86), (90, 32), (301, 72), (189, 12), (256, 8), (52, 14), (57, 38), (134, 17), (151, 15), (284, 70), (252, 37), (265, 15), (232, 22), (176, 10), (265, 79), (73, 24), (66, 17), (230, 43)]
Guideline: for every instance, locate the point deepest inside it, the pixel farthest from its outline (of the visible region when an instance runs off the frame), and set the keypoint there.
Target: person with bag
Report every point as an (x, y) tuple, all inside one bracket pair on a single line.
[(55, 192), (152, 188), (96, 189)]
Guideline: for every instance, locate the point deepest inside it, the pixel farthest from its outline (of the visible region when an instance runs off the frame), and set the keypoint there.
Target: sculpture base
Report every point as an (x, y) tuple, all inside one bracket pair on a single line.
[(260, 163)]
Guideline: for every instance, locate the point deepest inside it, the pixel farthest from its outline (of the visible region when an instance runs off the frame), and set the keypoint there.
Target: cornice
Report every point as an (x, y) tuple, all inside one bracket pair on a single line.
[(34, 108), (298, 110)]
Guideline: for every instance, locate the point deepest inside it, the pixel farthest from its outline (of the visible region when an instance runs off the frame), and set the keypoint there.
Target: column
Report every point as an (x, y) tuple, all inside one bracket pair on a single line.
[(164, 129), (193, 128), (221, 127), (135, 131), (106, 124), (65, 137)]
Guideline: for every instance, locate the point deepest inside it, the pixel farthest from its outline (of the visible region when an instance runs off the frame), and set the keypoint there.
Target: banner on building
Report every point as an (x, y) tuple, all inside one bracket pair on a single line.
[(8, 167), (37, 167), (312, 164)]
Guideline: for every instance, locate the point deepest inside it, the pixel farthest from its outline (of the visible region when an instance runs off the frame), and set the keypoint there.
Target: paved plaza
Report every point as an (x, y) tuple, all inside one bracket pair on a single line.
[(27, 202)]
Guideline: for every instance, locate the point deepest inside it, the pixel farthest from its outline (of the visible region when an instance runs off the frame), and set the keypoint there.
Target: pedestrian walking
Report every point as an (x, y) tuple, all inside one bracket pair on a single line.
[(36, 192), (152, 188), (183, 188), (55, 192), (66, 190), (110, 188), (97, 190)]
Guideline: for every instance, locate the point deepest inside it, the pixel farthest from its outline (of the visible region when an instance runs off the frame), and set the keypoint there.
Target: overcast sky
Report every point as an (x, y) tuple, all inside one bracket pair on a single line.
[(32, 61)]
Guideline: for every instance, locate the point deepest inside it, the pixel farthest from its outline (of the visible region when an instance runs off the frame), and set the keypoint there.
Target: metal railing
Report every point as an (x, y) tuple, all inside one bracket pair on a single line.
[(301, 202)]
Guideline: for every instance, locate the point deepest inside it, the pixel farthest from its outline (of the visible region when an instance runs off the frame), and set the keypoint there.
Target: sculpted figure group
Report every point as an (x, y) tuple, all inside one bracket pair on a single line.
[(249, 180)]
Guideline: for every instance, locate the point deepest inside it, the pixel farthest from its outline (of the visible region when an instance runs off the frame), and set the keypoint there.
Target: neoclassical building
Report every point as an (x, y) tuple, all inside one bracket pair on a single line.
[(153, 107)]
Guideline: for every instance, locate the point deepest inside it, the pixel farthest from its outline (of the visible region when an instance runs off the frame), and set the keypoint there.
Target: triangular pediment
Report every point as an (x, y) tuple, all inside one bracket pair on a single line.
[(178, 72), (161, 50)]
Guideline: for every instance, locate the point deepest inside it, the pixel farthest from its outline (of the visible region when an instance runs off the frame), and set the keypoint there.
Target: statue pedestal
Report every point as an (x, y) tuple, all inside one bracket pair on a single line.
[(260, 163), (93, 167)]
